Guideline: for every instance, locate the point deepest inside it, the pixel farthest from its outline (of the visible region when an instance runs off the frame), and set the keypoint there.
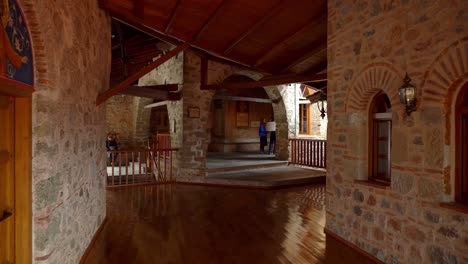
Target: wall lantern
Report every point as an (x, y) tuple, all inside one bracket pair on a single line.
[(321, 104), (407, 94)]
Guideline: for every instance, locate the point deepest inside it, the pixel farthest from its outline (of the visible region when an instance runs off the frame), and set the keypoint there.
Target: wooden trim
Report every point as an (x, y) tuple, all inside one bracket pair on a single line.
[(23, 181), (375, 184), (458, 207), (127, 82), (367, 257), (269, 82), (255, 26), (14, 88), (93, 241)]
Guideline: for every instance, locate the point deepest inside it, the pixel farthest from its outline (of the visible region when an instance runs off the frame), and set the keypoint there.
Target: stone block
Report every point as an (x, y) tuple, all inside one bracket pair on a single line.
[(402, 183), (439, 255), (415, 234), (429, 189)]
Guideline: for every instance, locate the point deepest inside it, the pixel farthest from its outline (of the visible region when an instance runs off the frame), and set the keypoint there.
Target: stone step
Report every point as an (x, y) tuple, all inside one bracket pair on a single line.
[(247, 167)]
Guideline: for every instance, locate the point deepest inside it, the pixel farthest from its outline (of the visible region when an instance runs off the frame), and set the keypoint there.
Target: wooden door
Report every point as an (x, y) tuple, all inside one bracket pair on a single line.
[(7, 179)]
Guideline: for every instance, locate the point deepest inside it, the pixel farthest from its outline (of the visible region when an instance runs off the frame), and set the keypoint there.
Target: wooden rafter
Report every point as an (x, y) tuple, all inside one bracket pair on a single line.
[(138, 8), (269, 82), (313, 49), (254, 27), (174, 12), (133, 78), (210, 21), (278, 45), (173, 41), (143, 91)]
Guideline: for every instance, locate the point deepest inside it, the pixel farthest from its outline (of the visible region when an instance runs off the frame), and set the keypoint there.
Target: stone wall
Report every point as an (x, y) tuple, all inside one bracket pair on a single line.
[(71, 40), (119, 119), (127, 117), (371, 44)]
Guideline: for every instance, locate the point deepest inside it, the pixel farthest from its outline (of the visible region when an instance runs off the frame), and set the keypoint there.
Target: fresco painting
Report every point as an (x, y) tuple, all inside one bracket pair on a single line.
[(15, 44)]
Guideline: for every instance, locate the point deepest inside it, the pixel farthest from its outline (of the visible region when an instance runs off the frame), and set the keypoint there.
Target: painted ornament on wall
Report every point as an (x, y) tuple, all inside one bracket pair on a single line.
[(15, 45)]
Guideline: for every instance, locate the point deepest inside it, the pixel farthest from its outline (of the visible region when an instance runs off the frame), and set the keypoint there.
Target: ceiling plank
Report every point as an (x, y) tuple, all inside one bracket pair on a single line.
[(313, 49), (273, 50), (221, 7), (142, 91), (139, 8), (200, 52), (174, 12), (131, 79), (255, 26), (262, 83)]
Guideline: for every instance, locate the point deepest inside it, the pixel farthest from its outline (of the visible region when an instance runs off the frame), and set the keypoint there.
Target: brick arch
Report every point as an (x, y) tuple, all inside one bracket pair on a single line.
[(374, 77), (445, 73), (40, 60)]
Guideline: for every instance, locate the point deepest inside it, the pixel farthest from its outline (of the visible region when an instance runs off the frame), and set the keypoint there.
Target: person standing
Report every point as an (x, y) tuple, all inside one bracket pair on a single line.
[(263, 136), (271, 127)]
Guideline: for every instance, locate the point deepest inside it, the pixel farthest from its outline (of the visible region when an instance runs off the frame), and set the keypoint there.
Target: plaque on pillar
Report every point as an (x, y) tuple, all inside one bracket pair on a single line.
[(194, 112)]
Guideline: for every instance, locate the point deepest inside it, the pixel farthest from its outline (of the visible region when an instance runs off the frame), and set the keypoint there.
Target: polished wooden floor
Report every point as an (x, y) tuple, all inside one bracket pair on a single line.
[(198, 224)]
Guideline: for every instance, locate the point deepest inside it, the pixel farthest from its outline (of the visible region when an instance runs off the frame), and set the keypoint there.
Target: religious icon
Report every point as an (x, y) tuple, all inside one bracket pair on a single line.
[(9, 54)]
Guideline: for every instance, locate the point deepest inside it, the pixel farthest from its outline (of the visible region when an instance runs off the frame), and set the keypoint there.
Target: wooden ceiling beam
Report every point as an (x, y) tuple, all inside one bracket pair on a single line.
[(133, 78), (278, 45), (255, 26), (142, 91), (173, 87), (139, 8), (313, 49), (174, 12), (221, 7), (269, 82)]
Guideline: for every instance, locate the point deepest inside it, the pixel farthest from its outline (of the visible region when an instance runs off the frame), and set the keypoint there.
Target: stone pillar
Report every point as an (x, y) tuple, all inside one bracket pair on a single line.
[(141, 125)]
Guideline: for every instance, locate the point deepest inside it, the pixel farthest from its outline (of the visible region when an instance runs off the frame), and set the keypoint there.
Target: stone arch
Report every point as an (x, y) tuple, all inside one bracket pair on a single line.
[(446, 74), (449, 67), (374, 77), (279, 109)]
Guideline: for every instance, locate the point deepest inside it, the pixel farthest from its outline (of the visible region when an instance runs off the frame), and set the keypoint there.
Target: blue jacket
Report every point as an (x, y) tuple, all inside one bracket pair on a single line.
[(262, 131)]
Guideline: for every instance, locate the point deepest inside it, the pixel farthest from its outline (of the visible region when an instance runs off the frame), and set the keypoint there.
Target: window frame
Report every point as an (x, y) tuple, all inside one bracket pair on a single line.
[(307, 123), (461, 149), (373, 153)]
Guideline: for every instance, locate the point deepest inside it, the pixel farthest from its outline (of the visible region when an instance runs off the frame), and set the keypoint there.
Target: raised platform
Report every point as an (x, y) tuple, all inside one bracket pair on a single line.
[(257, 171), (268, 177)]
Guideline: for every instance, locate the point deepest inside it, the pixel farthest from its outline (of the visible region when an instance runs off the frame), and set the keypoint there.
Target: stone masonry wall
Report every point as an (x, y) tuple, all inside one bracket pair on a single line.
[(371, 44), (119, 119), (71, 43), (127, 116)]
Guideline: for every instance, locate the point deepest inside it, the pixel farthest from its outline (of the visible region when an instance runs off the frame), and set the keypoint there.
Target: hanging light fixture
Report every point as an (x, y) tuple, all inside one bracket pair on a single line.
[(407, 93), (321, 104)]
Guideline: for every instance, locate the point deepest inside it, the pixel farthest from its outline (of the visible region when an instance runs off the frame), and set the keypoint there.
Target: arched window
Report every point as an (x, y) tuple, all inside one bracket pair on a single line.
[(461, 144), (380, 138)]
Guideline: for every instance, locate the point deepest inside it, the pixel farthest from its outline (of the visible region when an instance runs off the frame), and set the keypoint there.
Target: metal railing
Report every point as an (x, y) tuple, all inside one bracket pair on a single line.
[(308, 152)]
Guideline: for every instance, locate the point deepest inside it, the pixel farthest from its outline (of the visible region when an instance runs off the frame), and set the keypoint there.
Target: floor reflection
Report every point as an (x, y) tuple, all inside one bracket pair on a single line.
[(196, 224)]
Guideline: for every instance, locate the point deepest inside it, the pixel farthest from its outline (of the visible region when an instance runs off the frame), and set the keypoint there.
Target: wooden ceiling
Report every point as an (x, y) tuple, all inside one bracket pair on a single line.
[(272, 36)]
